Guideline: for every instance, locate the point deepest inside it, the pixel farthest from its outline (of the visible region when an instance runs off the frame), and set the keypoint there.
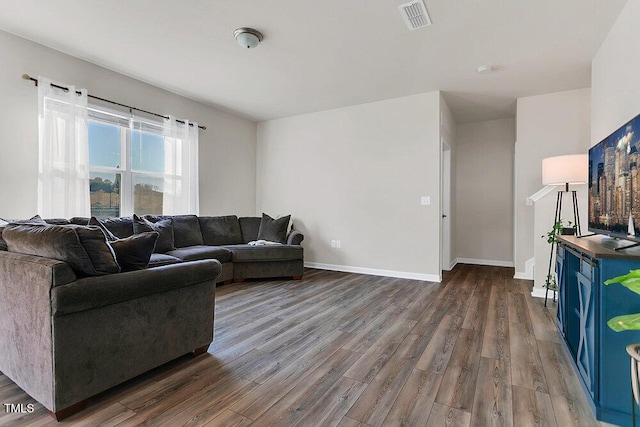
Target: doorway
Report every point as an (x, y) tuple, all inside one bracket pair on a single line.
[(445, 206)]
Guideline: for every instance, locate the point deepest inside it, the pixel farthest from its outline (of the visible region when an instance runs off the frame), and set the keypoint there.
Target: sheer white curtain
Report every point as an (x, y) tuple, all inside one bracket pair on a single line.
[(180, 168), (63, 179)]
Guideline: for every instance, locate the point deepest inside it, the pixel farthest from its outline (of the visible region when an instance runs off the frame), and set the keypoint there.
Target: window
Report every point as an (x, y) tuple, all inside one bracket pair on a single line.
[(106, 154), (137, 166)]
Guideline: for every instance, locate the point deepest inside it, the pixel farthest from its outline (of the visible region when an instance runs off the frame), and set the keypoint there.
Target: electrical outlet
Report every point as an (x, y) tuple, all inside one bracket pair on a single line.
[(338, 244), (425, 200), (333, 243)]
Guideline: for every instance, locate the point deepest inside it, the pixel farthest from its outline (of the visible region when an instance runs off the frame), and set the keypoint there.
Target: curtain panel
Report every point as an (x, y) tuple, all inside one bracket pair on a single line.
[(181, 168), (63, 169)]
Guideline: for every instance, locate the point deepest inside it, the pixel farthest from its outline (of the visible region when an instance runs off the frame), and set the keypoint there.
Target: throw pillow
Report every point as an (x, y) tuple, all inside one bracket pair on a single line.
[(84, 248), (134, 253), (120, 227), (273, 230), (108, 234), (164, 228)]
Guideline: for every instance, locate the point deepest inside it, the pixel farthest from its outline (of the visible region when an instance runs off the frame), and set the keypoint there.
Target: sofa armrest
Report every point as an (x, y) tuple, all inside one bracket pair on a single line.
[(99, 291), (26, 349), (295, 238)]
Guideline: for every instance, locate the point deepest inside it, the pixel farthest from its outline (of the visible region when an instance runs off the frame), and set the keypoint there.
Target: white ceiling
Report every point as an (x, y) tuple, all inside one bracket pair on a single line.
[(323, 54)]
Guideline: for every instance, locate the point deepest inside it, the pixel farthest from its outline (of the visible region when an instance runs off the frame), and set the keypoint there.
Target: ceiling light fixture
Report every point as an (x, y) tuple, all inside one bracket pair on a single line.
[(485, 69), (248, 37)]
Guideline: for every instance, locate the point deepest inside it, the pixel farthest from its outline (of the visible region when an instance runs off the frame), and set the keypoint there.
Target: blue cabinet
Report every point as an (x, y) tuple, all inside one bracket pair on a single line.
[(584, 306)]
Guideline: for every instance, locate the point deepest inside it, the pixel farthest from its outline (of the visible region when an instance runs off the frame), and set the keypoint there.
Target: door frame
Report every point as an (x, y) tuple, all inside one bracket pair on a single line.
[(445, 205)]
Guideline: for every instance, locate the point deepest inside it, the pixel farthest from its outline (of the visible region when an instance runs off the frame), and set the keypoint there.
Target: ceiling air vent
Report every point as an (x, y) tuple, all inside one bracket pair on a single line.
[(415, 15)]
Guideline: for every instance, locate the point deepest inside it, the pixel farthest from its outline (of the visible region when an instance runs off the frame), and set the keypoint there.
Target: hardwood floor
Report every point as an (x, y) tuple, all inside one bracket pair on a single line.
[(353, 350)]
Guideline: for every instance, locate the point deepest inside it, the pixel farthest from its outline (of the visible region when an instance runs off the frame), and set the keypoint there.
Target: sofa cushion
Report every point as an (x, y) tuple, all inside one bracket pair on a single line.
[(164, 227), (274, 230), (84, 248), (192, 253), (249, 253), (4, 222), (249, 226), (186, 231), (134, 252), (93, 292), (57, 221), (3, 244), (36, 219), (220, 230), (80, 220), (158, 260)]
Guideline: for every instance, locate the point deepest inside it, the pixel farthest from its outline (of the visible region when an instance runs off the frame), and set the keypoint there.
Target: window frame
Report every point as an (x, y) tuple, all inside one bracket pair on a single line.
[(126, 126)]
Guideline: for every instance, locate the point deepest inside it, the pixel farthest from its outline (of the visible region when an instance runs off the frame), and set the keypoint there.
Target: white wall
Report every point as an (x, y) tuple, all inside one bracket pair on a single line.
[(484, 193), (547, 125), (357, 174), (615, 75), (227, 147)]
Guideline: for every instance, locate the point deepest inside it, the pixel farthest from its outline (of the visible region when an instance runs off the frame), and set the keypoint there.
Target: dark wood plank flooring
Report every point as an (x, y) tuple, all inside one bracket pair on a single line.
[(354, 350)]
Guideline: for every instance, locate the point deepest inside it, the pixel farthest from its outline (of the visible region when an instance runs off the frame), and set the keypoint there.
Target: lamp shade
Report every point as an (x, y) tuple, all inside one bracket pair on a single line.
[(561, 170)]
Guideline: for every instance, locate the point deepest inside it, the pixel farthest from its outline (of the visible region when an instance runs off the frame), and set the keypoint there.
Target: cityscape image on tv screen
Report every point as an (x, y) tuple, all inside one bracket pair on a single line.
[(614, 182)]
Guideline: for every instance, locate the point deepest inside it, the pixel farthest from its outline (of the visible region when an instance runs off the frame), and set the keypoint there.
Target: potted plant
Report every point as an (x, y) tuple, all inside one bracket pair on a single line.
[(558, 228)]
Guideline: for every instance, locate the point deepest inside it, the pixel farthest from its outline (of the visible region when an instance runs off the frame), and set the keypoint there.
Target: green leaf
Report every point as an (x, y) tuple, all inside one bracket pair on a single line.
[(627, 322), (620, 279)]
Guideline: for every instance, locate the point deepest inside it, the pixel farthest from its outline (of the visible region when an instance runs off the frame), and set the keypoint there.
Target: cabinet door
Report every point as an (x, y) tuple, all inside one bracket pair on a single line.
[(585, 356), (561, 313)]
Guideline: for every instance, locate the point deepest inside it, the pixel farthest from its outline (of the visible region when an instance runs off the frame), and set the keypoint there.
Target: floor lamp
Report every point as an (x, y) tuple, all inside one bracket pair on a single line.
[(564, 170)]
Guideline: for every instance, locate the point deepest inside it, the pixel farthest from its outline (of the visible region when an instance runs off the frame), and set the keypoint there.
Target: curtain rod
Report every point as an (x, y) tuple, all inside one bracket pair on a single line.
[(66, 89)]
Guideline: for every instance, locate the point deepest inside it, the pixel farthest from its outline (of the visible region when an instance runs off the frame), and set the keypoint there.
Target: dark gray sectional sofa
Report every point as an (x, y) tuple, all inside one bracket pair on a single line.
[(72, 329), (224, 238)]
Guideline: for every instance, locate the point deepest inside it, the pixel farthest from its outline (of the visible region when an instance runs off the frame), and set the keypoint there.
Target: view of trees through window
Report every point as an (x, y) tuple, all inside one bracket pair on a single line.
[(104, 190), (124, 163)]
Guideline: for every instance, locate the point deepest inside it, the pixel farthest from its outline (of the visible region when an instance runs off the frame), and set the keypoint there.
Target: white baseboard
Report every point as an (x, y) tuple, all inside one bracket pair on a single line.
[(453, 264), (540, 292), (491, 262), (528, 270), (374, 271)]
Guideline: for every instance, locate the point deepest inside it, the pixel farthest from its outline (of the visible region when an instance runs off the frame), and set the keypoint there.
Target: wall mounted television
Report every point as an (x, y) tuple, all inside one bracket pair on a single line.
[(614, 183)]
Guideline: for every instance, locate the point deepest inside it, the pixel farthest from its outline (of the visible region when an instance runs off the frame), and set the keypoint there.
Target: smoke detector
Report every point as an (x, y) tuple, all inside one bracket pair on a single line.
[(415, 15)]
